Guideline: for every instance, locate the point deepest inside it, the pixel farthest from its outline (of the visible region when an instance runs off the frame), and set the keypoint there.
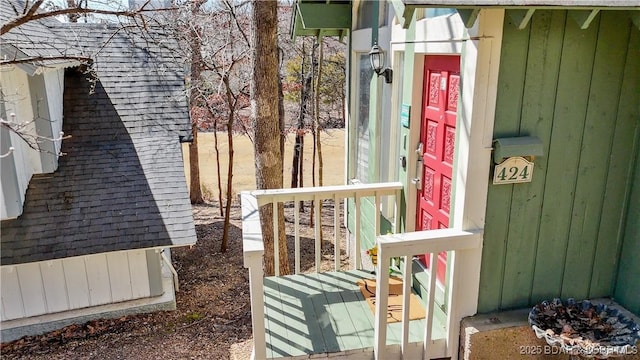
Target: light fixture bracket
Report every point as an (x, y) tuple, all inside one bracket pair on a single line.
[(388, 75)]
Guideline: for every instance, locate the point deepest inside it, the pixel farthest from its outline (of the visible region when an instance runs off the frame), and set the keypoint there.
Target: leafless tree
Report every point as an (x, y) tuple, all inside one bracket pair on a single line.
[(266, 122), (228, 66), (220, 79), (317, 144), (194, 34)]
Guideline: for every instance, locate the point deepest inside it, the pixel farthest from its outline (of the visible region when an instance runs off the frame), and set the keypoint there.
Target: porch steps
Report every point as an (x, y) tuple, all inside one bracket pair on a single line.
[(325, 315)]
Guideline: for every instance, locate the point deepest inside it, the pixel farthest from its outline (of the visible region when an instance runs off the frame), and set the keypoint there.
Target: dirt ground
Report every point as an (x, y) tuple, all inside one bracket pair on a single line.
[(213, 308)]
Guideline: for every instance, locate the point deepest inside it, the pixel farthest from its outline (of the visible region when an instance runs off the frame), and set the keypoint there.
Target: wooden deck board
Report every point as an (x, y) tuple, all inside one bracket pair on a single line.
[(279, 340), (322, 306), (350, 279), (343, 326), (269, 303), (326, 320), (299, 340), (324, 313), (306, 326)]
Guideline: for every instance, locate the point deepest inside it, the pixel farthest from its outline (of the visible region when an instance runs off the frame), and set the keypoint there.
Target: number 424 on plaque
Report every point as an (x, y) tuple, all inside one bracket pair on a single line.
[(513, 170)]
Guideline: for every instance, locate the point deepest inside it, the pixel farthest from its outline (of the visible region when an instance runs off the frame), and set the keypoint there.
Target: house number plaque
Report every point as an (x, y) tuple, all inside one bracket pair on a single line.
[(513, 170)]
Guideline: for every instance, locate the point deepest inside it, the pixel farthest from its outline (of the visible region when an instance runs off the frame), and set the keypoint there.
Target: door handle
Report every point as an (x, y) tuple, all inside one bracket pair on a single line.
[(417, 180)]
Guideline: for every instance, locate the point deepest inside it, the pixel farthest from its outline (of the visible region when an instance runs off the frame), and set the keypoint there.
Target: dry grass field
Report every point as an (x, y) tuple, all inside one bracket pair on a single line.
[(333, 151)]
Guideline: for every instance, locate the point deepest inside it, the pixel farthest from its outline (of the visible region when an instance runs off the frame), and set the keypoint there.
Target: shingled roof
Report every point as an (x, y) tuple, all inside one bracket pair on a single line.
[(34, 40), (121, 184)]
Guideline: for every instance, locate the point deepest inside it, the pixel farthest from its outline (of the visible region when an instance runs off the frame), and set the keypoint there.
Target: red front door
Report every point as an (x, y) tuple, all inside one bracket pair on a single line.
[(437, 135)]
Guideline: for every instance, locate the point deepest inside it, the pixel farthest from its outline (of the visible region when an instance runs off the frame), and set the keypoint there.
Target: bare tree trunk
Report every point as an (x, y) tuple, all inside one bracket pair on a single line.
[(266, 124), (313, 135), (318, 128), (301, 164), (297, 146), (195, 193), (217, 149), (294, 162), (317, 146), (297, 168), (227, 213)]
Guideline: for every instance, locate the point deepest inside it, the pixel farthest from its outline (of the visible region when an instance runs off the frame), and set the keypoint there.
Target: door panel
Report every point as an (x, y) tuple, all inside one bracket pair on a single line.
[(437, 134)]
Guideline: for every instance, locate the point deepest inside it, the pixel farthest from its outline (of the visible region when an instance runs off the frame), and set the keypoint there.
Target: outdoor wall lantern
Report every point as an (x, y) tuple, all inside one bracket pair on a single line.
[(376, 56)]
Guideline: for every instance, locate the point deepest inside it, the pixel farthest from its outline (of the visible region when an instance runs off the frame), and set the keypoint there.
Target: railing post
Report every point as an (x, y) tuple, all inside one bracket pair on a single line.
[(253, 254), (396, 212), (431, 299), (296, 217), (256, 284), (376, 214), (336, 233), (382, 300), (317, 230), (453, 319), (406, 297), (276, 239), (356, 255)]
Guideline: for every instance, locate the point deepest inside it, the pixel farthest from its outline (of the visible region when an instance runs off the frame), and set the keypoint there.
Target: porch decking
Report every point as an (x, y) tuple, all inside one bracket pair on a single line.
[(325, 313)]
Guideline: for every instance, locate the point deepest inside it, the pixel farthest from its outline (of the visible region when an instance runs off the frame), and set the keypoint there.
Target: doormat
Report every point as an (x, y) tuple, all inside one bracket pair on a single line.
[(394, 306)]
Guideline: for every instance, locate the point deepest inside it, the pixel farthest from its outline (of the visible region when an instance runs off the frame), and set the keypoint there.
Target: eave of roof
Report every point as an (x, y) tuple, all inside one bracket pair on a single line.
[(567, 4), (321, 18), (584, 11), (30, 65), (34, 40)]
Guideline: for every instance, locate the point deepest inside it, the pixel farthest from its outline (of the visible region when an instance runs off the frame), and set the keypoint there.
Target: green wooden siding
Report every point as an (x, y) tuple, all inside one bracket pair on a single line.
[(367, 229), (368, 239), (627, 286), (627, 290), (577, 90)]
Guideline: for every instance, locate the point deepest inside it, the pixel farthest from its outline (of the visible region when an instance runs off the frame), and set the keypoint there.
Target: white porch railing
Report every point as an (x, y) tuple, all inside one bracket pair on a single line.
[(253, 246), (406, 245), (389, 246), (337, 194)]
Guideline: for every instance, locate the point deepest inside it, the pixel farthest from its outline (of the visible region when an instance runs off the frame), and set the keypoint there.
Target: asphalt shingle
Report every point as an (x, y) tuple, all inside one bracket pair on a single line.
[(121, 184)]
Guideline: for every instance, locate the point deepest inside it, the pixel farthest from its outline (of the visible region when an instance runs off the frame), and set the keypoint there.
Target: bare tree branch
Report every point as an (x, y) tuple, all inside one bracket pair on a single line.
[(32, 59), (33, 141), (234, 16), (31, 14)]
